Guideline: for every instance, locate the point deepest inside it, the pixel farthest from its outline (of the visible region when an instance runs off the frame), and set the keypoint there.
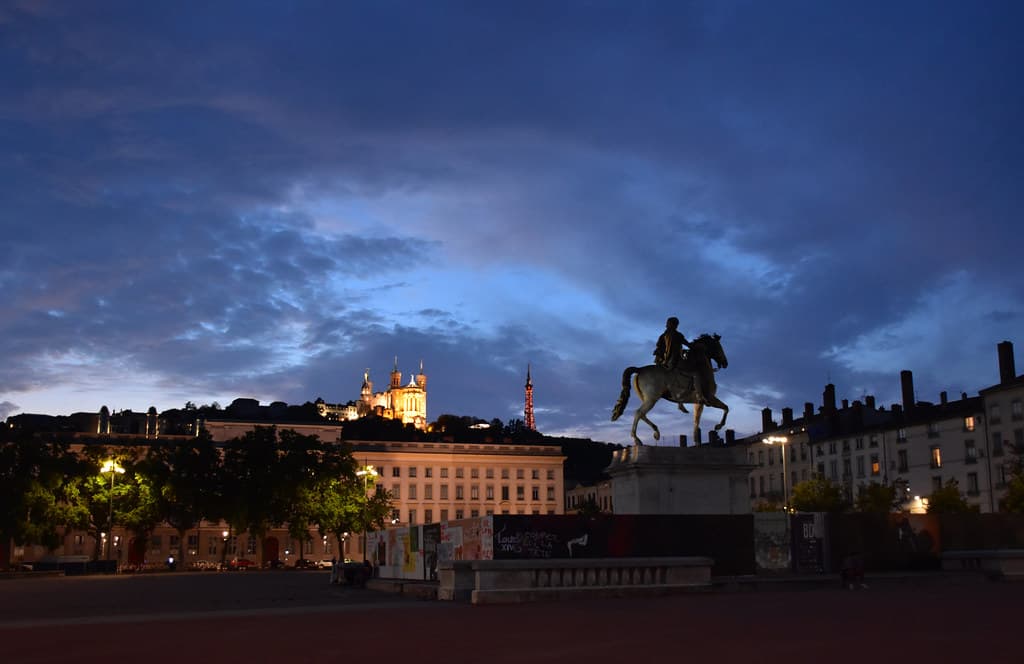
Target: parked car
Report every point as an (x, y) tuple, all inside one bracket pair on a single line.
[(305, 563), (240, 564), (324, 563)]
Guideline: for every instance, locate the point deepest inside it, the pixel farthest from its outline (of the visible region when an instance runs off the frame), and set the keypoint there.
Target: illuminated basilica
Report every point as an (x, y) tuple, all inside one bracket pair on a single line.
[(407, 403)]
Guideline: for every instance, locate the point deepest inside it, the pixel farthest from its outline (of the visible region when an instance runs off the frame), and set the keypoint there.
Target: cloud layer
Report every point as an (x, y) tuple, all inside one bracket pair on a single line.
[(263, 200)]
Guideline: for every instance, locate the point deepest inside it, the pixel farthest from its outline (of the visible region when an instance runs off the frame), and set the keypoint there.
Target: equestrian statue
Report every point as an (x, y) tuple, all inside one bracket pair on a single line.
[(677, 376)]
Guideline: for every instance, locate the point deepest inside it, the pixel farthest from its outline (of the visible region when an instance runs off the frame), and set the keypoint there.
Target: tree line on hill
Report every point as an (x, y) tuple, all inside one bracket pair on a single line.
[(264, 479)]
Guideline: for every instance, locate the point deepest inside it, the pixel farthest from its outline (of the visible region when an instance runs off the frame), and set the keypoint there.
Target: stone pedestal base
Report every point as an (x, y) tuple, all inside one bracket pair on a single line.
[(709, 479)]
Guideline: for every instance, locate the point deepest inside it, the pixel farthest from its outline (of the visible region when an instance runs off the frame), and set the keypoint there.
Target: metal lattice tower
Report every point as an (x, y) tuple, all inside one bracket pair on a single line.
[(528, 410)]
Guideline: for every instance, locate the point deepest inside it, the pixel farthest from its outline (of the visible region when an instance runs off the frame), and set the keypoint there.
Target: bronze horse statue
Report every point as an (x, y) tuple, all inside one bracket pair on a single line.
[(655, 382)]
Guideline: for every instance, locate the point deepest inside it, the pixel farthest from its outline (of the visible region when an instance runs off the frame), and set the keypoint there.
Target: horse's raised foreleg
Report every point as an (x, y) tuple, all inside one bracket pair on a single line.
[(715, 402)]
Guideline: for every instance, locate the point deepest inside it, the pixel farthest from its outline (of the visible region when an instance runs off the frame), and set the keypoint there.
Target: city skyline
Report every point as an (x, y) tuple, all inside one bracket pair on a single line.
[(262, 201)]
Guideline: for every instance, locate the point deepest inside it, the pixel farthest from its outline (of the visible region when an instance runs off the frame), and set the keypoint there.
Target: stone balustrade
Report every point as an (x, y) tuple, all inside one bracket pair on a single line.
[(514, 581)]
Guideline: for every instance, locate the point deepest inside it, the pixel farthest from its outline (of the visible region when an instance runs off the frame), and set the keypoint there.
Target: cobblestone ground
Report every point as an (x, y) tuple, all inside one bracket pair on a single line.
[(297, 617)]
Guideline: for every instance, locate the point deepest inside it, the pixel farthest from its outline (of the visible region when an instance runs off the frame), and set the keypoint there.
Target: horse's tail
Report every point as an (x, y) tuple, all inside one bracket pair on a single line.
[(620, 405)]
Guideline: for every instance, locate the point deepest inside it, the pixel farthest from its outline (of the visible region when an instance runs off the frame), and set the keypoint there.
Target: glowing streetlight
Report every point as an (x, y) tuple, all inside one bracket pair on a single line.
[(366, 472), (781, 440), (115, 469)]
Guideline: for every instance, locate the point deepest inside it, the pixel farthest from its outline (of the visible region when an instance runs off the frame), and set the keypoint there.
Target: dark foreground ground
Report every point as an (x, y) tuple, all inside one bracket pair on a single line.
[(297, 617)]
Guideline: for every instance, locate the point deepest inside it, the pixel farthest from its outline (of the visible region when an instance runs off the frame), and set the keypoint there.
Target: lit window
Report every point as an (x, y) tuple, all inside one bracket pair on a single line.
[(936, 457), (969, 423), (876, 466)]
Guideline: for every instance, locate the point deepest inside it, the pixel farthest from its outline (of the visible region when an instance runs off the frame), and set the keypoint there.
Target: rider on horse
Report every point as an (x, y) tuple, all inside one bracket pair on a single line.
[(668, 353)]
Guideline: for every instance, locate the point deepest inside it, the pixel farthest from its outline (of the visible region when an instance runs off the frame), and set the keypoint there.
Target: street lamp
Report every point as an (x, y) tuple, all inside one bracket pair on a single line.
[(781, 440), (366, 472), (115, 469), (223, 547)]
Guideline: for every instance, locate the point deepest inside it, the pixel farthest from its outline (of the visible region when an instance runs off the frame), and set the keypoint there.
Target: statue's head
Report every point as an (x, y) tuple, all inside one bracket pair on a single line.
[(672, 323)]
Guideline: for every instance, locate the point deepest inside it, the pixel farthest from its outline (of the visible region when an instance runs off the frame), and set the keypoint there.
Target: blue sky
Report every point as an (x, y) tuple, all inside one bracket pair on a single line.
[(263, 199)]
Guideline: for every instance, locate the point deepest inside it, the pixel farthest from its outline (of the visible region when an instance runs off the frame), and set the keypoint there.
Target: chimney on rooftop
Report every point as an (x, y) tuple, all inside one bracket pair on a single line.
[(828, 400), (766, 420), (846, 404), (787, 417), (808, 410), (943, 397), (869, 401), (1007, 371), (907, 384)]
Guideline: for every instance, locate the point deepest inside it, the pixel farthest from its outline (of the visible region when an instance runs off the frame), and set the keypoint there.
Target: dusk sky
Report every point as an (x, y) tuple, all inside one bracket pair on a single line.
[(204, 201)]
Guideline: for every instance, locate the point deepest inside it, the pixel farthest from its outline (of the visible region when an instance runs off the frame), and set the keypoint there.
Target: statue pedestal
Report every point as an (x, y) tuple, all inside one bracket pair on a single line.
[(709, 479)]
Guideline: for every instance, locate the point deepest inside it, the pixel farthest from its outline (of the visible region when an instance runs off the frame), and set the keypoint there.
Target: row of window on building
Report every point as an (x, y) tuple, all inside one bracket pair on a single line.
[(474, 473), (412, 515), (412, 491)]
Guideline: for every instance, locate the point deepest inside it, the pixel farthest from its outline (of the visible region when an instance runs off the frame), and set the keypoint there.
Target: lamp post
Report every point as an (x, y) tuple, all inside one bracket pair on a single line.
[(115, 469), (366, 472), (781, 441), (223, 547)]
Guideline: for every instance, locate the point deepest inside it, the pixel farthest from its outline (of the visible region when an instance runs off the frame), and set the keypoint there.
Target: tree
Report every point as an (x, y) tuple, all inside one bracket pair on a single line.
[(31, 475), (337, 508), (589, 508), (818, 494), (1013, 501), (251, 491), (185, 475), (948, 500), (877, 498), (307, 466), (93, 503)]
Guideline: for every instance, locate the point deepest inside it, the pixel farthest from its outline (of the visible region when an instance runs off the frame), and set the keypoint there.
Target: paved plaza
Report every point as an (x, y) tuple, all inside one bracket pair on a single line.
[(298, 617)]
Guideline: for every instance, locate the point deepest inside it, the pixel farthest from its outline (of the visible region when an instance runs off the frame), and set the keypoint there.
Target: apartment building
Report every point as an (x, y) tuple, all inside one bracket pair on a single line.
[(916, 446)]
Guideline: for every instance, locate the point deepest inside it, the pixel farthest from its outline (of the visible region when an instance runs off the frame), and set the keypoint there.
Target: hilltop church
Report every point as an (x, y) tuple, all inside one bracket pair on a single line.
[(406, 403)]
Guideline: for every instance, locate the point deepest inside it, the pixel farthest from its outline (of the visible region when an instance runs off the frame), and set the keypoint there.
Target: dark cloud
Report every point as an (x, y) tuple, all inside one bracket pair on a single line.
[(269, 198)]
